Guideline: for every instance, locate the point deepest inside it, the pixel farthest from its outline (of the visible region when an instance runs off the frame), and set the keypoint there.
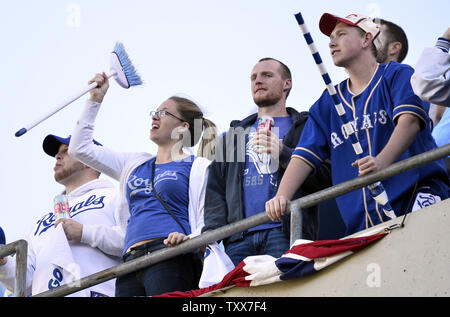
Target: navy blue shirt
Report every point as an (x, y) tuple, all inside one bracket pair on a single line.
[(2, 237), (261, 173), (148, 217)]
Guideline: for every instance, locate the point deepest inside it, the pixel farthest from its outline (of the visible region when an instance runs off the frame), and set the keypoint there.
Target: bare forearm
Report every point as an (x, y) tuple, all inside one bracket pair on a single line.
[(294, 176), (402, 137), (408, 126)]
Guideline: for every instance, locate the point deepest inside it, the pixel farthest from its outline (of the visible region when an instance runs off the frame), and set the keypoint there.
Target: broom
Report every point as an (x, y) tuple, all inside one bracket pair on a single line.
[(376, 190), (121, 69)]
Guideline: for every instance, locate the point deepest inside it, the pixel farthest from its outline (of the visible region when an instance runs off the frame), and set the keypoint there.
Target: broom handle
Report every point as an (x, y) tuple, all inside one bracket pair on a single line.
[(60, 107)]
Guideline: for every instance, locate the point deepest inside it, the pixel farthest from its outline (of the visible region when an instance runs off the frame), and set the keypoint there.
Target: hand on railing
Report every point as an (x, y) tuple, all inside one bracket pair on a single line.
[(276, 208), (368, 164), (175, 238)]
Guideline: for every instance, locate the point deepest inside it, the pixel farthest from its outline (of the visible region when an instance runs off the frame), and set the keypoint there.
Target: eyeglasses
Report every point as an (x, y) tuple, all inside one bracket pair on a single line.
[(163, 113)]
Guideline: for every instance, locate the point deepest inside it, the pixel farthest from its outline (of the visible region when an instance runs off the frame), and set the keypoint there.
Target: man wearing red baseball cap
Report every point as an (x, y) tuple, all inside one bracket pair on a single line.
[(391, 125), (359, 24), (328, 23)]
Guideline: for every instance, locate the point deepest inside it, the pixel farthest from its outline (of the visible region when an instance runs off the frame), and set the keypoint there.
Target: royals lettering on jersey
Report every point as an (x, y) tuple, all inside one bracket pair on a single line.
[(172, 185), (138, 184), (373, 114), (54, 260), (368, 122), (48, 220)]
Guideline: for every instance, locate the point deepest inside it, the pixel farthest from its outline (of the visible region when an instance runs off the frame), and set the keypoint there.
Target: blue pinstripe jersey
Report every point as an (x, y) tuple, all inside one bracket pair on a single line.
[(373, 113)]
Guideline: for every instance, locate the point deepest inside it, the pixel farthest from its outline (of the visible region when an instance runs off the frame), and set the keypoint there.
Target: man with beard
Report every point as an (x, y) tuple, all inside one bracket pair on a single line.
[(249, 164), (67, 249), (394, 43)]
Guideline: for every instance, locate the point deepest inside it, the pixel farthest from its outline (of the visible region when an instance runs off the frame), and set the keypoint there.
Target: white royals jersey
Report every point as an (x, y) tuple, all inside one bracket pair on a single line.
[(54, 261)]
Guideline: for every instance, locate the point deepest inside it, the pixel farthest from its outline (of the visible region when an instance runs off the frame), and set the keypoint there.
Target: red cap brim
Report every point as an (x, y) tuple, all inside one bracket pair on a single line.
[(328, 22)]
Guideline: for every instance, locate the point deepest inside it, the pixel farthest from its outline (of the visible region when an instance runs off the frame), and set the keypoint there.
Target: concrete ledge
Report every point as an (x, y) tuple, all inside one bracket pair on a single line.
[(411, 261)]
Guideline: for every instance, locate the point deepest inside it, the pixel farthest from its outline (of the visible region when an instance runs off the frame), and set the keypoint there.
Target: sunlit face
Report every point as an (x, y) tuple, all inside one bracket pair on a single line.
[(266, 83), (66, 167), (164, 127), (345, 44)]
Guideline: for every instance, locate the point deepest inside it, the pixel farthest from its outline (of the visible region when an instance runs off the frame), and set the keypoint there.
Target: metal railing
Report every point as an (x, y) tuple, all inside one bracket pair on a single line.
[(294, 208), (20, 248)]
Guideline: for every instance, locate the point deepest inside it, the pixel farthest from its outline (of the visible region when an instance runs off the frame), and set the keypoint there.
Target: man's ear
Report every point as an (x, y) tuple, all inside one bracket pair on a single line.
[(287, 85), (394, 48), (368, 40)]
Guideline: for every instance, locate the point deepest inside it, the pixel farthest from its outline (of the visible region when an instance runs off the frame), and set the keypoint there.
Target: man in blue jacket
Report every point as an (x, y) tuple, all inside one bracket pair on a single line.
[(249, 164)]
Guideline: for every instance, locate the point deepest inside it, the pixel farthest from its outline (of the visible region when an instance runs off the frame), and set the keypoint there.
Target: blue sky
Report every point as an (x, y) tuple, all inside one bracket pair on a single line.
[(202, 48)]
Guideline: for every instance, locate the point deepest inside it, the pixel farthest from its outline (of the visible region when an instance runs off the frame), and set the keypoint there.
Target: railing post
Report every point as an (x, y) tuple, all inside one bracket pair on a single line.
[(20, 248), (296, 222), (21, 268), (255, 220)]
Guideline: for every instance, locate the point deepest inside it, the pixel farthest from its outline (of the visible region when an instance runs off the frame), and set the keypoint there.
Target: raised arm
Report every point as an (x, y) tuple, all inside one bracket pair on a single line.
[(81, 146), (431, 80)]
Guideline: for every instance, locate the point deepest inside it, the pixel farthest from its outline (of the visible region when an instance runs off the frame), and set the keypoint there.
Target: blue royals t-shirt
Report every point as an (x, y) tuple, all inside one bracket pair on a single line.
[(148, 217), (261, 173)]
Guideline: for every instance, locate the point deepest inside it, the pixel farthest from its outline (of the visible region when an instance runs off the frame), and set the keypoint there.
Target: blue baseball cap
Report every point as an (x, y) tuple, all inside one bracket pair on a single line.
[(52, 143), (2, 237)]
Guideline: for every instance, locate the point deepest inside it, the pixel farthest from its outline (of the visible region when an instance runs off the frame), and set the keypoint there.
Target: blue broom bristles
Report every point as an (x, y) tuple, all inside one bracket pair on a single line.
[(131, 74)]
